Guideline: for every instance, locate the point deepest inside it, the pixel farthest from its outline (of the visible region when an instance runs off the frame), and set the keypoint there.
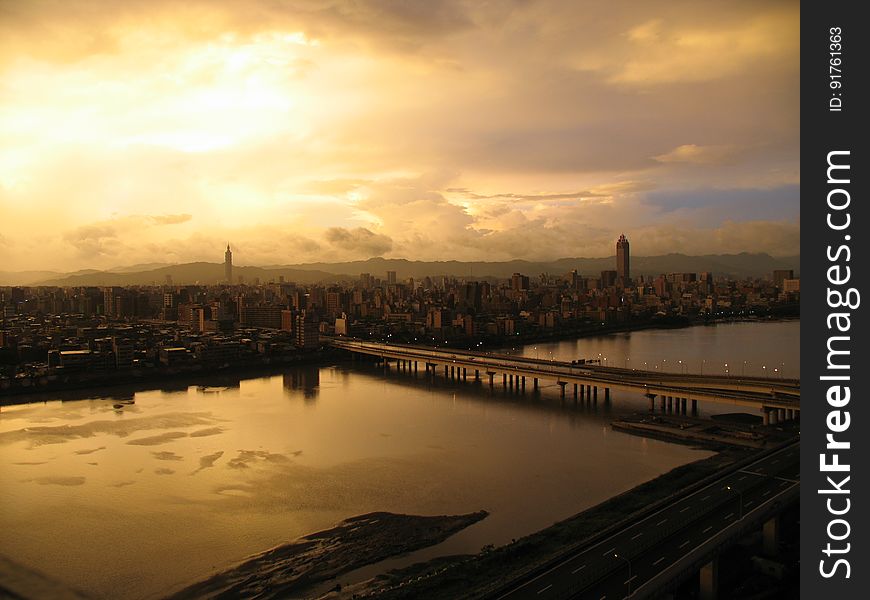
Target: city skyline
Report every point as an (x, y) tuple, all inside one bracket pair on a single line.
[(142, 133)]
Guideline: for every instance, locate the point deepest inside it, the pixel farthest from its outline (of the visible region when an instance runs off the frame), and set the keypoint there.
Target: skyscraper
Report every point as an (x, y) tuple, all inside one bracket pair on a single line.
[(228, 264), (622, 270)]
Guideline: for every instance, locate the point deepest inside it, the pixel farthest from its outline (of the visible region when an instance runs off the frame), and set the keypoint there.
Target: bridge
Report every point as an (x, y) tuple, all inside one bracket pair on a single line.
[(778, 399)]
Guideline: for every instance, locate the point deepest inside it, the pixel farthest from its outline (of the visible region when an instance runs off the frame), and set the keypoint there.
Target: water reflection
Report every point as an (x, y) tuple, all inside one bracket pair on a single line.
[(761, 349), (305, 379), (230, 465)]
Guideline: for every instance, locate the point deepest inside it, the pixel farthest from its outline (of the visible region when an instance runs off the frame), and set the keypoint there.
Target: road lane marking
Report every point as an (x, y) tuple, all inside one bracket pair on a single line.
[(630, 579), (765, 493), (750, 503), (609, 551), (705, 497), (682, 510), (728, 516), (708, 529), (658, 561), (742, 478), (660, 522), (603, 597), (684, 544), (784, 483), (545, 589), (577, 570), (773, 462), (637, 536)]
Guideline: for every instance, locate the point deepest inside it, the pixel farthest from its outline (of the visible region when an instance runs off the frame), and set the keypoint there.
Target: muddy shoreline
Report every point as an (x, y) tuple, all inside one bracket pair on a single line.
[(292, 570)]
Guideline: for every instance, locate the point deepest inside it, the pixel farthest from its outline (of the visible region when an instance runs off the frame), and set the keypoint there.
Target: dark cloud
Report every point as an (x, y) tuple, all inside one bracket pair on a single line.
[(359, 240), (171, 219), (92, 240)]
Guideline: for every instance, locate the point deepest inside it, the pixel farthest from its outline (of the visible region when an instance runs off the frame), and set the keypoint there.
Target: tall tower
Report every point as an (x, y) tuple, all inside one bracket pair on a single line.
[(228, 264), (623, 275)]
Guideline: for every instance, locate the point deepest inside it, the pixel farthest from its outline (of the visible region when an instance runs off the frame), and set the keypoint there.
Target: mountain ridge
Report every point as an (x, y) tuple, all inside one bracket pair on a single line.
[(740, 265)]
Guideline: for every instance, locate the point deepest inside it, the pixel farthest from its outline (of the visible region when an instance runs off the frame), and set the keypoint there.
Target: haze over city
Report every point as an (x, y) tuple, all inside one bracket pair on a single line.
[(141, 132)]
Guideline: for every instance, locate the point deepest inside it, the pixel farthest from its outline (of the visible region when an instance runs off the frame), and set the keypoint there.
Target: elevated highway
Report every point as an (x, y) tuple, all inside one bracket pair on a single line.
[(778, 399), (648, 557)]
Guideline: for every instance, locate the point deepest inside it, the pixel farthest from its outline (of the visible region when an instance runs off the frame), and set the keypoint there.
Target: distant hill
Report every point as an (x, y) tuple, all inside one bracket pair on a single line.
[(189, 273), (733, 265), (26, 277), (139, 267)]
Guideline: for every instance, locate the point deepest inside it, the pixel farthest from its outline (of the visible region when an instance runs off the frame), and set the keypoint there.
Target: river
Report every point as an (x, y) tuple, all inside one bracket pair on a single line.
[(133, 495)]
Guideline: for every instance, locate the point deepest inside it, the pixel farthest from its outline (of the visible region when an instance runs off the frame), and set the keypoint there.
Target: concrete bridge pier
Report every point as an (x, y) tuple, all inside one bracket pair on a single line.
[(652, 402), (709, 580), (477, 374), (770, 536), (491, 376), (789, 414), (765, 416), (774, 416), (562, 385)]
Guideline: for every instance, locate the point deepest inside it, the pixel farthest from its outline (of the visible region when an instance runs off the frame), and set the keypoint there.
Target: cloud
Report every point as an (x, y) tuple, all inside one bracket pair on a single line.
[(304, 131), (667, 51), (359, 240), (93, 240), (171, 219), (702, 155)]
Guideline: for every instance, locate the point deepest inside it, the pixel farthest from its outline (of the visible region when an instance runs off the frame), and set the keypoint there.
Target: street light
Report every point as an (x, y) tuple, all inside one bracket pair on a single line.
[(740, 498), (629, 571)]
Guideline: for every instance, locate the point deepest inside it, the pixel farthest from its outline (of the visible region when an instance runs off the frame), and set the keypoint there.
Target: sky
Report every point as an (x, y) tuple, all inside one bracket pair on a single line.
[(301, 131)]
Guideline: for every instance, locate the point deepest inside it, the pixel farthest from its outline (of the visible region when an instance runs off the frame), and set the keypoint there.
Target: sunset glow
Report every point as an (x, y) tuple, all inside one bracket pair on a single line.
[(303, 131)]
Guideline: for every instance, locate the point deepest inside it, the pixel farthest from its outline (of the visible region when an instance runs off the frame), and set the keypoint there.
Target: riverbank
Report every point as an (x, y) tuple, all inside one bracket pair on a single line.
[(293, 569), (129, 382), (476, 577), (603, 329)]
